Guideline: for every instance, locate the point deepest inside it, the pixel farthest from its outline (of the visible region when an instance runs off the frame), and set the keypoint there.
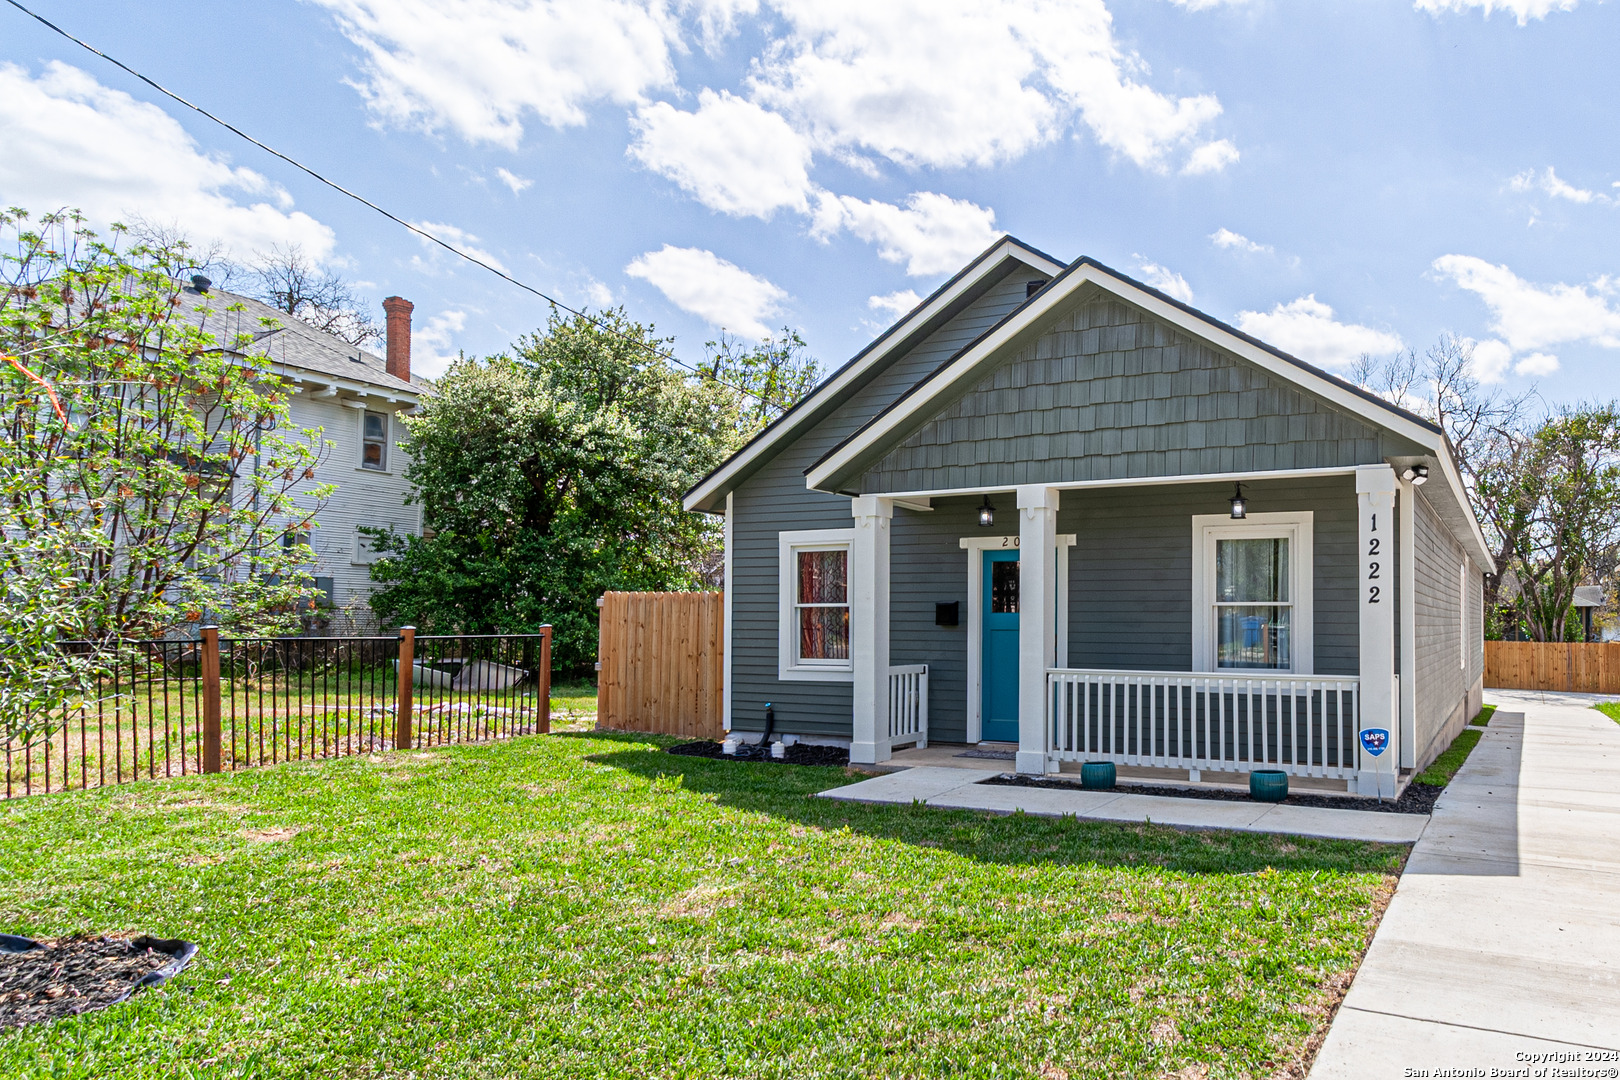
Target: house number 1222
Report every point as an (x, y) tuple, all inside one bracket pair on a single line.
[(1372, 567)]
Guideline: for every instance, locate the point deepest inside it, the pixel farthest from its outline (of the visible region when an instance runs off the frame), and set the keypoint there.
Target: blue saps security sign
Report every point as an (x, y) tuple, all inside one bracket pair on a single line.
[(1374, 740)]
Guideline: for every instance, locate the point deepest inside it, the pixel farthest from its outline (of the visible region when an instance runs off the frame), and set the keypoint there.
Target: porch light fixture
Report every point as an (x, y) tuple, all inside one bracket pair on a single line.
[(1416, 475), (1240, 505), (987, 514)]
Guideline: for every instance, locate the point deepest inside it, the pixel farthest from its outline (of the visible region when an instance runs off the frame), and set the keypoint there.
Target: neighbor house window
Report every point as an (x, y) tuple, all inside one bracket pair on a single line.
[(374, 441), (813, 640), (1252, 593)]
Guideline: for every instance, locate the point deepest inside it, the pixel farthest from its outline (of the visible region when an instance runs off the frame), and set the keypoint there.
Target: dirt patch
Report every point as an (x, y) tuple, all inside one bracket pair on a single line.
[(68, 976), (797, 754), (271, 835), (1416, 799)]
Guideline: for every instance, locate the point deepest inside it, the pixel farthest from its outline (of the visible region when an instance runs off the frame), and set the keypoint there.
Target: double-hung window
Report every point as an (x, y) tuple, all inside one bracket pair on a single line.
[(1252, 593), (813, 639), (374, 441)]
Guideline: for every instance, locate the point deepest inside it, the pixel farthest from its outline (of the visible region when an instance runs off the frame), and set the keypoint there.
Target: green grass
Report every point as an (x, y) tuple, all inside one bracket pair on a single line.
[(1444, 767), (1611, 709), (573, 705), (1484, 716), (586, 906)]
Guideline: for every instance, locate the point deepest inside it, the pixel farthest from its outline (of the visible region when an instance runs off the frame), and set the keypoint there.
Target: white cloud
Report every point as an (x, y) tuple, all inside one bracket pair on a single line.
[(895, 303), (513, 180), (1306, 328), (481, 68), (1523, 10), (1165, 280), (1211, 157), (432, 350), (1205, 5), (72, 142), (1489, 360), (931, 234), (1552, 184), (598, 294), (457, 238), (1226, 238), (1531, 317), (731, 154), (1536, 364), (966, 82), (711, 288)]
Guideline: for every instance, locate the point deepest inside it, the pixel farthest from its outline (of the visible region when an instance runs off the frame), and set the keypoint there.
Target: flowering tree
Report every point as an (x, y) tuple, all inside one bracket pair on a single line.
[(147, 476)]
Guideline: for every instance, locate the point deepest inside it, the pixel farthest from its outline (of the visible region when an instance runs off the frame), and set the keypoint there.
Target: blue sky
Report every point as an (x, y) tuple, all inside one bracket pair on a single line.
[(1335, 176)]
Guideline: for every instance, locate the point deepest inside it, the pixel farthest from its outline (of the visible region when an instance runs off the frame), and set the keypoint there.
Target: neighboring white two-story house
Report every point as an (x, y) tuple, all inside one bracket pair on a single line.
[(356, 399)]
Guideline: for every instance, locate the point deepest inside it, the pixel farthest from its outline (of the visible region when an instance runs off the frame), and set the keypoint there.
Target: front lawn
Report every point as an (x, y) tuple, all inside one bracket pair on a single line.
[(1611, 709), (587, 906)]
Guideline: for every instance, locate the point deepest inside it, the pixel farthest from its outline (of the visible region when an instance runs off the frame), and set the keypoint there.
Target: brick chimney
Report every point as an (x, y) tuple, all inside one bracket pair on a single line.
[(399, 311)]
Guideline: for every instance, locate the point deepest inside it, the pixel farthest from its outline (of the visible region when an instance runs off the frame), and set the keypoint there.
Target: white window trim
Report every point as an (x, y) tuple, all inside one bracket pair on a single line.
[(387, 442), (1462, 616), (975, 546), (787, 639), (1299, 528), (363, 554)]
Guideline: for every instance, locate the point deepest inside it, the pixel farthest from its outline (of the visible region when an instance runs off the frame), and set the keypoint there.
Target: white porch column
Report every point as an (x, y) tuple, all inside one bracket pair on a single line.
[(869, 628), (1408, 556), (1375, 498), (1037, 619)]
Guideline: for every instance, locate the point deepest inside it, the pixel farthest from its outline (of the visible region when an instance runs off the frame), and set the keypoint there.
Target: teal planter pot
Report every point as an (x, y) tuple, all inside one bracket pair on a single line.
[(1097, 775), (1268, 785)]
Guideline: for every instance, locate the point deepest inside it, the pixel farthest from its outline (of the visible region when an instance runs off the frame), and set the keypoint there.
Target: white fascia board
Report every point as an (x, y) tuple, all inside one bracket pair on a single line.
[(1057, 293), (842, 380), (336, 385)]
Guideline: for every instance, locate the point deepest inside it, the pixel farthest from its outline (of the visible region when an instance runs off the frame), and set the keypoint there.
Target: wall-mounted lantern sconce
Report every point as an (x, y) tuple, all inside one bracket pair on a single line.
[(1240, 505), (1416, 475), (987, 514)]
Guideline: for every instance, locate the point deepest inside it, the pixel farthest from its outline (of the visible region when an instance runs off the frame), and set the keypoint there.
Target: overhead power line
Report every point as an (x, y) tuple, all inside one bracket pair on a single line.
[(395, 218)]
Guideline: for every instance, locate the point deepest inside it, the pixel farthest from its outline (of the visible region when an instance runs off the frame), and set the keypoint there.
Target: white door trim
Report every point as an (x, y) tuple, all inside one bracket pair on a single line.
[(974, 546)]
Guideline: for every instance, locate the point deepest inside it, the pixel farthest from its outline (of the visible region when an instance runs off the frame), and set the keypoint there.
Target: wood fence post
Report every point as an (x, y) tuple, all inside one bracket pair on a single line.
[(402, 713), (545, 680), (210, 699)]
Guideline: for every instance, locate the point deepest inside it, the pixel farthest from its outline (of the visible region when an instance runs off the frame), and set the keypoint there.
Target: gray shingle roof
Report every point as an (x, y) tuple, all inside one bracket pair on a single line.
[(296, 346)]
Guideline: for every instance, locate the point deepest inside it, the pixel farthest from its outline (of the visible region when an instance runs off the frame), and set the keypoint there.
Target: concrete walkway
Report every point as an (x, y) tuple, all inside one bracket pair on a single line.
[(959, 789), (1503, 939)]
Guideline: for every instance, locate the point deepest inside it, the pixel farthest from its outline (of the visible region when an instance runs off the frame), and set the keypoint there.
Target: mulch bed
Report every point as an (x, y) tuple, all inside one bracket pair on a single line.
[(1416, 799), (797, 754), (73, 975)]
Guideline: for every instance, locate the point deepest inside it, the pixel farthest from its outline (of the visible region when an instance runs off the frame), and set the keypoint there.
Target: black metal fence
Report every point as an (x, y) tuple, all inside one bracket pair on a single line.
[(210, 704)]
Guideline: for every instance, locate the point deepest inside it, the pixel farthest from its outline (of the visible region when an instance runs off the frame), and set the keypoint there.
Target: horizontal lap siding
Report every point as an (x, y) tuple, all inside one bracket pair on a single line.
[(775, 500), (1130, 571), (1441, 691), (1110, 392)]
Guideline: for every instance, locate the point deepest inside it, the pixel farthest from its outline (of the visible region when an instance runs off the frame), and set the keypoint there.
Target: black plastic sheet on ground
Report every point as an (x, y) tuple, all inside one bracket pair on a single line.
[(46, 980)]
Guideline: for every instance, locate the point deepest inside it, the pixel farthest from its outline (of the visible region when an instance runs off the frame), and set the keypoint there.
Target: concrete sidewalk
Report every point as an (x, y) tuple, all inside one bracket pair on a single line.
[(960, 789), (1503, 939)]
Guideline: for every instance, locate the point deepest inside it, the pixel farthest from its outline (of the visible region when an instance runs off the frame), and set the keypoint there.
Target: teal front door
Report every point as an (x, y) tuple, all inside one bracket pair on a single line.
[(998, 671)]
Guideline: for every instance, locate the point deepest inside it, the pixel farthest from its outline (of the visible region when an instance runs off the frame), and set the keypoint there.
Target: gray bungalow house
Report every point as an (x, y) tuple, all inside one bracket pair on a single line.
[(1054, 508)]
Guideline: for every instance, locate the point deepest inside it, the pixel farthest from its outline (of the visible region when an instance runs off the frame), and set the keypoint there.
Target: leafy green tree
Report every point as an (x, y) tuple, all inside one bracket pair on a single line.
[(1557, 509), (551, 475), (147, 477), (767, 378)]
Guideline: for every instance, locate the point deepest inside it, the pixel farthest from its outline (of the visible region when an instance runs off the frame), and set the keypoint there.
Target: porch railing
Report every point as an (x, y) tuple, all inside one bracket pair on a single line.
[(908, 706), (1304, 725)]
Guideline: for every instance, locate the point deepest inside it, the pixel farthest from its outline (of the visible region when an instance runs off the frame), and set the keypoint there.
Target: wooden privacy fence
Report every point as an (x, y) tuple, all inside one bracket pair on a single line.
[(662, 664), (1550, 665), (216, 704)]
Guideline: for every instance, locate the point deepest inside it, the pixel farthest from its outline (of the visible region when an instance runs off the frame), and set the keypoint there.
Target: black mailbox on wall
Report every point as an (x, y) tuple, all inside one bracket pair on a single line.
[(947, 614)]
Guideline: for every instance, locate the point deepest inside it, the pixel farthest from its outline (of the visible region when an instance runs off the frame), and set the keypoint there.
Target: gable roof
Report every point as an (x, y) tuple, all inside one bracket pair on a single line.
[(293, 343), (930, 313), (913, 407)]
